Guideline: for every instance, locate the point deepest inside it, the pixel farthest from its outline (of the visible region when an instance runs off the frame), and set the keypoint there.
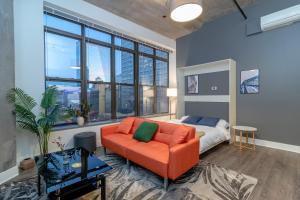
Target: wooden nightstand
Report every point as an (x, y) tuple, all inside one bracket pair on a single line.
[(244, 130)]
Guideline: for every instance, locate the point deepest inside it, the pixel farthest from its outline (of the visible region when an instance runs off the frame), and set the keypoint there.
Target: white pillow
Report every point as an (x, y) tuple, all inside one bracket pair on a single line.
[(223, 124), (183, 118)]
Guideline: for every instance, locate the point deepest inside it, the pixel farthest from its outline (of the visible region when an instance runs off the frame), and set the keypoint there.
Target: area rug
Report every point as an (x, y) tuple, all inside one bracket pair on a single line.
[(206, 181)]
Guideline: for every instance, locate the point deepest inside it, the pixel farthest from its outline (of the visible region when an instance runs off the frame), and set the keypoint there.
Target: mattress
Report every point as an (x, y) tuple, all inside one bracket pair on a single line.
[(213, 135)]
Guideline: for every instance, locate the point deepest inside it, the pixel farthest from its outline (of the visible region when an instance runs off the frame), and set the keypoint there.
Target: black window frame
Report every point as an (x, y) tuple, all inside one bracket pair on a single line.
[(113, 48)]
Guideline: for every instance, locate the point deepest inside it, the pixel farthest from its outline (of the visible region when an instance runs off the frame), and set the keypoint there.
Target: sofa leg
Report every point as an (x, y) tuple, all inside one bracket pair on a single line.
[(104, 151), (166, 180), (127, 162)]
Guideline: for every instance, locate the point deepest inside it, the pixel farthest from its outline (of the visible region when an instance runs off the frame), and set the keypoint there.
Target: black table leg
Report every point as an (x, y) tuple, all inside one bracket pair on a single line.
[(103, 188), (39, 185), (57, 194)]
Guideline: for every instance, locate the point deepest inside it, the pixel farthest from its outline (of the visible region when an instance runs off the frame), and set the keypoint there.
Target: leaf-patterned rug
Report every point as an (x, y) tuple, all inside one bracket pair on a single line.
[(205, 181)]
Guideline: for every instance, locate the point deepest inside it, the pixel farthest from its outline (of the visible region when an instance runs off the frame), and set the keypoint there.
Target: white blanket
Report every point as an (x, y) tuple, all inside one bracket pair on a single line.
[(213, 135)]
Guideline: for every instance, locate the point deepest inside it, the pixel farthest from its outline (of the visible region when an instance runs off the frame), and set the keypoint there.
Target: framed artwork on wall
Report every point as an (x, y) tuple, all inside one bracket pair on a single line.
[(192, 84), (249, 82)]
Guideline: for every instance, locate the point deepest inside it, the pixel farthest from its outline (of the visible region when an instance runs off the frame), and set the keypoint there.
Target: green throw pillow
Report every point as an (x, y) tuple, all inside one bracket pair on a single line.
[(145, 131)]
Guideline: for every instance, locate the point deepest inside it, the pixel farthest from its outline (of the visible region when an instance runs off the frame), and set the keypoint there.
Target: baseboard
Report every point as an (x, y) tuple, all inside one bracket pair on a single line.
[(9, 174), (274, 145)]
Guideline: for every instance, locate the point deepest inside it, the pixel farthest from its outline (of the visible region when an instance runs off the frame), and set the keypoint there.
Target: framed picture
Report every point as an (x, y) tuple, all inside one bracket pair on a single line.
[(249, 82), (192, 84)]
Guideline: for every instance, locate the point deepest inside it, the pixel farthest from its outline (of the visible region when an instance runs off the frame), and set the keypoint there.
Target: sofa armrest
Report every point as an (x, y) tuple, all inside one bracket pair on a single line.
[(183, 157), (107, 130)]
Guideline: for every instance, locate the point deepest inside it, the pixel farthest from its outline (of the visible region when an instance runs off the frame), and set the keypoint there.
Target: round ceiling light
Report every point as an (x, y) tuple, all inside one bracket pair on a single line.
[(185, 10)]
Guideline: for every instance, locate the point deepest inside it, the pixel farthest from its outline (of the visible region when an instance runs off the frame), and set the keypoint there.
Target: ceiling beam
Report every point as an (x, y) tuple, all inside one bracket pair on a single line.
[(240, 9)]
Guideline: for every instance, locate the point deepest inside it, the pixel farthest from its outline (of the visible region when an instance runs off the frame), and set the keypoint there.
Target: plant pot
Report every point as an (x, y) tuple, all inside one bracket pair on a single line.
[(80, 121), (27, 163)]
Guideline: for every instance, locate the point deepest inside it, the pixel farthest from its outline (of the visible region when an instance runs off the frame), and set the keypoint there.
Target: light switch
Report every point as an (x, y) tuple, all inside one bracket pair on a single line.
[(214, 88)]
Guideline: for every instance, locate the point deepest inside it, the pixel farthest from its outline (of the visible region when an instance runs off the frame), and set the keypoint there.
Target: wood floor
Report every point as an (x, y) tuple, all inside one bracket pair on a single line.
[(278, 172)]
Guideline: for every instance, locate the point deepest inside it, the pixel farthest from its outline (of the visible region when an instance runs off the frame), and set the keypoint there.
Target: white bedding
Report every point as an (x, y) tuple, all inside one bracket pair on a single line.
[(213, 135)]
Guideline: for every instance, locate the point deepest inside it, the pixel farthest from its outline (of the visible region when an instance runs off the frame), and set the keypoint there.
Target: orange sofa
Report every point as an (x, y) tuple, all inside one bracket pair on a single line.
[(158, 157)]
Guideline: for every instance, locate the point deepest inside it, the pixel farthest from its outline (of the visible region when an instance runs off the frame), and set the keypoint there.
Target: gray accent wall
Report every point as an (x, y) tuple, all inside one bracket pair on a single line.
[(275, 111), (7, 74), (208, 109)]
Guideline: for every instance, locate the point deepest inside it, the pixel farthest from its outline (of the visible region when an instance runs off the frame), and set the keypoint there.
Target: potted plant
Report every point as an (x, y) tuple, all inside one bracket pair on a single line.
[(59, 142), (41, 124), (81, 114), (80, 120)]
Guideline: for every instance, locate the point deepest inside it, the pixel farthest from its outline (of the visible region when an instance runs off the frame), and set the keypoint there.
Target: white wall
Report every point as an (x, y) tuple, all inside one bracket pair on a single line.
[(29, 41), (29, 61)]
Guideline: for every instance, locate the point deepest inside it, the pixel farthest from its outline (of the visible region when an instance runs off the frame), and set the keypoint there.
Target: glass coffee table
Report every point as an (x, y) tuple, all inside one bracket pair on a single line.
[(71, 173)]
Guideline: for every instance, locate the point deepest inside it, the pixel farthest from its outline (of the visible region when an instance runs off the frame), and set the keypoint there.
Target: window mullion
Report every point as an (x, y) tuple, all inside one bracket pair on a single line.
[(62, 33), (168, 82), (136, 80), (84, 82), (154, 87), (62, 79), (113, 84)]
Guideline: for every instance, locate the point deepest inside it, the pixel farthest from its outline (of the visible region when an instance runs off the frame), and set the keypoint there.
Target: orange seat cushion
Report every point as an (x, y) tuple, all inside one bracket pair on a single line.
[(152, 155), (125, 125), (118, 143), (179, 135)]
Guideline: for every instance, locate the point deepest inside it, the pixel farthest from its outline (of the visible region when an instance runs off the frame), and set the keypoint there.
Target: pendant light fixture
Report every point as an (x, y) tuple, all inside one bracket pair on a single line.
[(185, 10)]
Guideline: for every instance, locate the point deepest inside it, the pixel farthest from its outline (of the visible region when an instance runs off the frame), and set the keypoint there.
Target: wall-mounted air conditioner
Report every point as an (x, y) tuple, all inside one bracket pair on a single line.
[(281, 18)]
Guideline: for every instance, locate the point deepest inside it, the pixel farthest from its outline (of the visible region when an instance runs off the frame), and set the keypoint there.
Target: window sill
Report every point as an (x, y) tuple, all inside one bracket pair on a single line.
[(155, 115), (91, 124), (75, 126)]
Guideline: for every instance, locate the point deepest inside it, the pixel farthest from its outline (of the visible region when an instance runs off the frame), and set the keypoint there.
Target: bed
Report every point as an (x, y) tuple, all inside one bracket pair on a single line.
[(214, 95), (213, 135)]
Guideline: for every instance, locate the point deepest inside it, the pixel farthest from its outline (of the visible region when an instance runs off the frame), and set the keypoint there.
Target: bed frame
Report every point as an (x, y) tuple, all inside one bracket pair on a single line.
[(215, 145), (216, 95)]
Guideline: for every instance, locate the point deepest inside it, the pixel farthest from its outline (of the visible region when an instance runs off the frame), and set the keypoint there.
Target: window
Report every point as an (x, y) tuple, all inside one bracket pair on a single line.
[(63, 63), (125, 101), (162, 100), (98, 74), (146, 49), (162, 80), (98, 63), (146, 91), (97, 35), (62, 56), (145, 70), (161, 73), (69, 95), (99, 99), (61, 24), (124, 67), (124, 43), (125, 93), (161, 54), (146, 100), (116, 76)]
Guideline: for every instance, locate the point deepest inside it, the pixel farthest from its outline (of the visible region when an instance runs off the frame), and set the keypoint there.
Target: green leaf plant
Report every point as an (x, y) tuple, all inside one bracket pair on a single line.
[(41, 124)]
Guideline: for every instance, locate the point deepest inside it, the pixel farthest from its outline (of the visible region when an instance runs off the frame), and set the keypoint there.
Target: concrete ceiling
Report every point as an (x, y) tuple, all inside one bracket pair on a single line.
[(149, 13)]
